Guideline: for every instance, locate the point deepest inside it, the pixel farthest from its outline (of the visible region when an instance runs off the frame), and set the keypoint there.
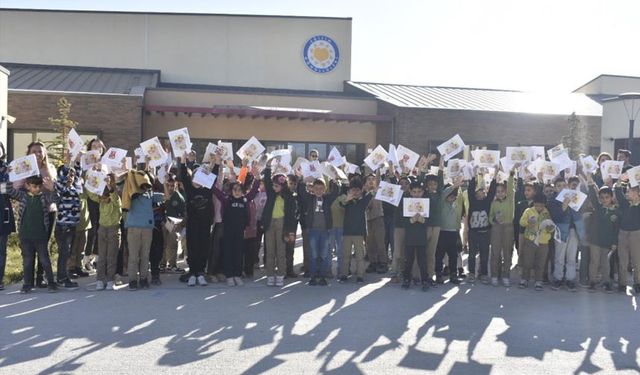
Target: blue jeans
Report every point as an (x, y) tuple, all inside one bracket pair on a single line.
[(64, 239), (319, 243), (335, 239), (3, 255)]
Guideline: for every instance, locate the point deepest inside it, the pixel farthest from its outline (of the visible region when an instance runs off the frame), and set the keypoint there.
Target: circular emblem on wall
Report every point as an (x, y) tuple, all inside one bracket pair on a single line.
[(321, 54)]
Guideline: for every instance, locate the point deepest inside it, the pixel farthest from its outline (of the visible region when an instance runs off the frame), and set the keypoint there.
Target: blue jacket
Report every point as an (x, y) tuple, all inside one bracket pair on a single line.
[(563, 220), (141, 213)]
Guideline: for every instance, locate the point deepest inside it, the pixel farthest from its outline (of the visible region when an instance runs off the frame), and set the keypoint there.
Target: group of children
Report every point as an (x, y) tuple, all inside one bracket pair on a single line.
[(135, 226)]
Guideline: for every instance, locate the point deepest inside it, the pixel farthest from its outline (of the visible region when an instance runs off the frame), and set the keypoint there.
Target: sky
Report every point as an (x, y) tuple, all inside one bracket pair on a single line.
[(542, 45)]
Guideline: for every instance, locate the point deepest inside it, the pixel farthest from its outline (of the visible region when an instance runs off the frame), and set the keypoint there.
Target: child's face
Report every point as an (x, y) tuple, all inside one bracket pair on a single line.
[(236, 191), (33, 188), (539, 207), (71, 177), (606, 199), (404, 185), (633, 195), (432, 186), (417, 193), (371, 183), (560, 185), (549, 191), (292, 185), (277, 187), (171, 187), (356, 192), (501, 192), (574, 185), (529, 192), (318, 190)]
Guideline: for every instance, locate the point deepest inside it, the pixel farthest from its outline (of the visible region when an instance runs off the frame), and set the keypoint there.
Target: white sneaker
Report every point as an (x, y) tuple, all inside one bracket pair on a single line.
[(231, 281), (99, 285), (110, 285), (238, 281), (494, 281), (506, 282), (202, 281), (279, 280), (271, 281), (192, 281)]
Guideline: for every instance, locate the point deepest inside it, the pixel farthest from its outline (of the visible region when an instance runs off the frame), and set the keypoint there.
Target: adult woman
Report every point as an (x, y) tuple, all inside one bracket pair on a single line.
[(91, 248)]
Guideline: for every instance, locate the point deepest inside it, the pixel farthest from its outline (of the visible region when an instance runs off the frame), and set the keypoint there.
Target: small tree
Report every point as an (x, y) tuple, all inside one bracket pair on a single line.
[(56, 149), (577, 141)]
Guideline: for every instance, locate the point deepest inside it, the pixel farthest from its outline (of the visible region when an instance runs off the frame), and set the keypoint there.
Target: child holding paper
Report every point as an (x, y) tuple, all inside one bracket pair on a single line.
[(416, 243), (235, 215), (535, 246), (355, 228), (501, 218), (449, 241), (376, 251), (175, 207), (629, 237), (480, 226), (67, 221)]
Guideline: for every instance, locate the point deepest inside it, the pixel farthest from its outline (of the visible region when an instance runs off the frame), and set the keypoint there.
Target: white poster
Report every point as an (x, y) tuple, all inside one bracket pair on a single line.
[(312, 169), (335, 158), (89, 159), (180, 141), (23, 167), (519, 154), (634, 176), (576, 198), (413, 206), (376, 158), (251, 149), (486, 158), (95, 181), (589, 164), (389, 193), (611, 169), (407, 156), (204, 178), (451, 147), (153, 149), (75, 144), (113, 157)]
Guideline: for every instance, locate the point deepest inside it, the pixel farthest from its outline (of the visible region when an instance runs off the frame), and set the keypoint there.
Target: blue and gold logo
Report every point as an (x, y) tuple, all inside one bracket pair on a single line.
[(321, 54)]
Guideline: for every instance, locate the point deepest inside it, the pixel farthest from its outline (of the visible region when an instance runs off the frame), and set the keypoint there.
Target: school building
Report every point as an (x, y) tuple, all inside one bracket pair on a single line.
[(286, 80)]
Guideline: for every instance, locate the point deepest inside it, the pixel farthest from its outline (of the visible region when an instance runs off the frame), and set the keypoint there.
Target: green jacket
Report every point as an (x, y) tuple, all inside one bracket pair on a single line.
[(435, 201), (502, 211), (110, 212), (451, 213), (604, 231)]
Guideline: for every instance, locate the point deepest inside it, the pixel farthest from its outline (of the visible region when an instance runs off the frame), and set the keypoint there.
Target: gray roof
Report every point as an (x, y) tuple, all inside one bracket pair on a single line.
[(471, 99), (79, 79)]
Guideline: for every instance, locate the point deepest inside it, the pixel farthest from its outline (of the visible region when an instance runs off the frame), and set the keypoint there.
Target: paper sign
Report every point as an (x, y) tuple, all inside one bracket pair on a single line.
[(298, 163), (23, 167), (113, 157), (225, 150), (280, 157), (153, 149), (204, 178), (118, 171), (576, 198), (413, 206), (171, 223), (335, 158), (407, 156), (507, 164), (376, 158), (209, 153), (389, 193), (549, 169), (352, 168), (89, 159), (180, 141), (312, 169), (634, 176), (392, 156), (556, 151), (251, 149), (571, 170), (537, 152), (519, 154), (454, 167), (562, 159), (95, 181), (547, 226), (589, 164), (611, 169), (486, 158), (74, 143), (451, 147)]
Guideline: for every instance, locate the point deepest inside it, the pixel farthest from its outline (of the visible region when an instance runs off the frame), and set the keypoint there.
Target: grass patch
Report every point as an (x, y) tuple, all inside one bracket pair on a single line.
[(13, 272)]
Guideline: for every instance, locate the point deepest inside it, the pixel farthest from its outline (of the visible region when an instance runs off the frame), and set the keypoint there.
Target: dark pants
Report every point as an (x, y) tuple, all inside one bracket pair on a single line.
[(479, 243), (233, 252), (289, 249), (215, 255), (448, 243), (38, 267), (3, 255), (251, 248), (122, 251), (156, 251), (29, 250), (389, 229), (92, 233), (64, 239), (410, 254), (198, 242)]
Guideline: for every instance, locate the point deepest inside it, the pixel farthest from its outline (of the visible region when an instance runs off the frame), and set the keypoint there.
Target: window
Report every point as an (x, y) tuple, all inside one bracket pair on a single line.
[(19, 140)]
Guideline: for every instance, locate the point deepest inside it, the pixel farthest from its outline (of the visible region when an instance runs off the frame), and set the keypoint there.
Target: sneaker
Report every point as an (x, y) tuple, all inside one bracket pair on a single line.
[(622, 289), (175, 269), (238, 281), (271, 281), (279, 281), (144, 284), (202, 281), (555, 285), (607, 288), (41, 284), (323, 282), (68, 284), (293, 275), (592, 287), (484, 279), (425, 286), (155, 280), (382, 268), (571, 286), (25, 289), (506, 282), (343, 279), (86, 263), (394, 280), (231, 281), (523, 284), (192, 280), (538, 286), (162, 269), (406, 284), (110, 285), (360, 280), (636, 289), (439, 280), (313, 281), (454, 280), (494, 281), (99, 285), (471, 278), (72, 274), (1, 286), (52, 288)]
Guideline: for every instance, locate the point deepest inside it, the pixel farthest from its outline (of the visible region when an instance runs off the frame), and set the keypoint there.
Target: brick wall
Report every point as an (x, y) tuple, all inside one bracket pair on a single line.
[(415, 128), (117, 118)]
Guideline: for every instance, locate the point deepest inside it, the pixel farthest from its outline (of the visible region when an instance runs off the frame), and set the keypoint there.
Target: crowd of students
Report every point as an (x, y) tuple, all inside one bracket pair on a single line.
[(124, 233)]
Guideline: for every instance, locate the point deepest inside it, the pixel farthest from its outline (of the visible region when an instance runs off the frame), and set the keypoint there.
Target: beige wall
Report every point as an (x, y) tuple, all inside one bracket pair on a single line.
[(221, 127), (3, 104), (364, 106), (199, 49)]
